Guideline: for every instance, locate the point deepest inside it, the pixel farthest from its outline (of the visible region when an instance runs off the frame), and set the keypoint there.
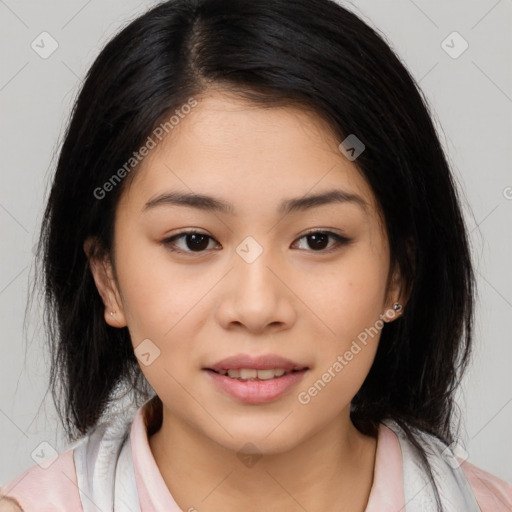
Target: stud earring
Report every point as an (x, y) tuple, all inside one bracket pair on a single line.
[(397, 307), (112, 313)]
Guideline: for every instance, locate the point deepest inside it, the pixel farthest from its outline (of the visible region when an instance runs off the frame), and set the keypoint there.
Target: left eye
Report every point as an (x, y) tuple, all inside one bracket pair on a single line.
[(319, 240)]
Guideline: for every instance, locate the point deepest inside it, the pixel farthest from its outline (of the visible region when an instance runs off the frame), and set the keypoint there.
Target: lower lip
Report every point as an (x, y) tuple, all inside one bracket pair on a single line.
[(256, 391)]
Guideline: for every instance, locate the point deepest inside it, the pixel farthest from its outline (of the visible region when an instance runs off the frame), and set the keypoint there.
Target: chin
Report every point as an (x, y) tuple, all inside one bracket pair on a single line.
[(253, 440)]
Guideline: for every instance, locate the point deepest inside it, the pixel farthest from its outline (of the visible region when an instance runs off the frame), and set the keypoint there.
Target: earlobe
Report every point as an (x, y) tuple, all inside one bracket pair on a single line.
[(103, 275), (114, 318), (393, 313)]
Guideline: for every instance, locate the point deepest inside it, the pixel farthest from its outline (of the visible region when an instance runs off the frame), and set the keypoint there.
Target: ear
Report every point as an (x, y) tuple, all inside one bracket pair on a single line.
[(103, 275), (395, 294)]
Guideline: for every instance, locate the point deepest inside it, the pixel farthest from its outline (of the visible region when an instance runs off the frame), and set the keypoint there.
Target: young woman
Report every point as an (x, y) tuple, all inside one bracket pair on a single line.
[(258, 283)]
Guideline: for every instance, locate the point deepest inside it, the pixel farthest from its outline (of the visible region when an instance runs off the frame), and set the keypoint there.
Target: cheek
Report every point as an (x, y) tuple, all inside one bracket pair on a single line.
[(164, 308), (155, 294), (349, 297), (349, 303), (334, 384)]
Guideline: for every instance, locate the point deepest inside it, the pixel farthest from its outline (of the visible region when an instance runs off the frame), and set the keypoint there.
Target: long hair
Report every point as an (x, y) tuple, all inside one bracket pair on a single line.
[(313, 53)]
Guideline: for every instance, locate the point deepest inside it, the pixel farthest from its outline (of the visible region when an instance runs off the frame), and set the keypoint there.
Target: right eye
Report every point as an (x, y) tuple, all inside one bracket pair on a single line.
[(191, 242)]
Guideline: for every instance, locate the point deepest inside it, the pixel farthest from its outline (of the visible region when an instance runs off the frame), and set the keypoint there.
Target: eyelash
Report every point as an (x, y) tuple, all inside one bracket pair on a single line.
[(339, 241)]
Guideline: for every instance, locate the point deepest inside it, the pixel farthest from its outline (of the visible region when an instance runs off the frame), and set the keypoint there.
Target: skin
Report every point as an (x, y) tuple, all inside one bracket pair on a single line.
[(9, 505), (304, 304)]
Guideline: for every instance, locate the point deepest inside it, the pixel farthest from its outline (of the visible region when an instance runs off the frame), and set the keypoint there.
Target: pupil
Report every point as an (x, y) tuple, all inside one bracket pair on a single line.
[(319, 240), (197, 241)]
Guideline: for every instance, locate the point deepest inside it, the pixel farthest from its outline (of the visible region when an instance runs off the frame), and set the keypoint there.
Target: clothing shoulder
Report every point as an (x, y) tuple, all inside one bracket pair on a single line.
[(50, 486), (457, 478), (492, 493)]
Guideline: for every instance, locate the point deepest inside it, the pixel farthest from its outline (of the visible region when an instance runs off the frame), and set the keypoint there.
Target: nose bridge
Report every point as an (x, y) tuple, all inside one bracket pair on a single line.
[(255, 297), (252, 268)]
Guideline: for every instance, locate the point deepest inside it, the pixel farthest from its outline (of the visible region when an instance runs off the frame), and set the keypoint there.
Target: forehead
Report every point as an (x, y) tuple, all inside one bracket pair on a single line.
[(233, 149)]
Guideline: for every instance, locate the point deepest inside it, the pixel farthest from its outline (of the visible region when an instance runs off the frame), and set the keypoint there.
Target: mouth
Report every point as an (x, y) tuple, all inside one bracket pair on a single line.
[(250, 374), (255, 379), (255, 386)]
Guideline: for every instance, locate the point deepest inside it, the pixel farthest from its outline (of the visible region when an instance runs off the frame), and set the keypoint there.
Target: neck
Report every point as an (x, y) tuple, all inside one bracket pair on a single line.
[(331, 470)]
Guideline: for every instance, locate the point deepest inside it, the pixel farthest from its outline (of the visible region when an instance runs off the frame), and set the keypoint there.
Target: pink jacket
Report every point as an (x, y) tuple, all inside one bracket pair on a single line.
[(113, 469)]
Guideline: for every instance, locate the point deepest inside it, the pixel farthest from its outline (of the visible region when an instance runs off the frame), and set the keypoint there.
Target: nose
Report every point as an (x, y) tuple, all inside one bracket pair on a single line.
[(256, 295)]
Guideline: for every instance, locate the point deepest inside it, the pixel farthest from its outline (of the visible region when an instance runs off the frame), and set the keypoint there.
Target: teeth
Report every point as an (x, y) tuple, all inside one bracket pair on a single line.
[(245, 374), (250, 373), (270, 374)]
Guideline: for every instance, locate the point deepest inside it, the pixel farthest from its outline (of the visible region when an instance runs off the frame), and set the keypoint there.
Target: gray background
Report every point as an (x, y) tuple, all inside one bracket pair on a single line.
[(471, 99)]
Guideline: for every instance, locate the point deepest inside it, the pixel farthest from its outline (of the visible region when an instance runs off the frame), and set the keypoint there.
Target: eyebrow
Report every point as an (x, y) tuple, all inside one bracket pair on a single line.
[(209, 203)]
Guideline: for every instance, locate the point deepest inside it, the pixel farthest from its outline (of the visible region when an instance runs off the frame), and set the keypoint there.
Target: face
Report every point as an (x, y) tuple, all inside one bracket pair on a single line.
[(262, 268)]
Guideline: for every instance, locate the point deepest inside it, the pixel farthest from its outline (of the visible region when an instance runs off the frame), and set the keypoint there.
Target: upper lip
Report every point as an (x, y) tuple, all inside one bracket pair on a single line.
[(260, 362)]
